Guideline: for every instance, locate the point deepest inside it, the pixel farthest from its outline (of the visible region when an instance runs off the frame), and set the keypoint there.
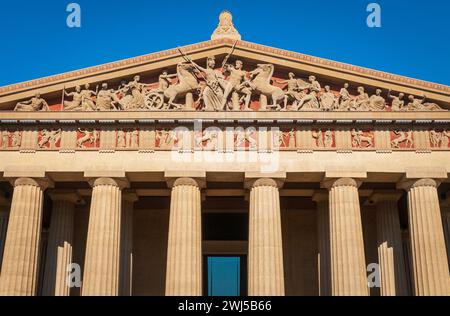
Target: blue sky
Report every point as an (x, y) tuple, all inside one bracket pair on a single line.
[(414, 39)]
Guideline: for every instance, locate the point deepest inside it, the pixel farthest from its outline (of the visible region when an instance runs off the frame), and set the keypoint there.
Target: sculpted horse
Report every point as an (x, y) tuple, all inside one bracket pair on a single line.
[(187, 82), (261, 83)]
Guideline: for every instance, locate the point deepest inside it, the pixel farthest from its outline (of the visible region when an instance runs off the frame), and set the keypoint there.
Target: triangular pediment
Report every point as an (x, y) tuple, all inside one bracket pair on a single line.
[(149, 67)]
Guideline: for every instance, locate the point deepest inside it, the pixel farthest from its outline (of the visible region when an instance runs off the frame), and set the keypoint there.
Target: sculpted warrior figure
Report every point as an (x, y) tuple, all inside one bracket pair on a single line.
[(345, 99), (5, 139), (313, 89), (398, 103), (50, 137), (33, 105), (403, 137), (420, 104), (362, 101), (359, 138), (318, 136), (121, 139), (237, 82), (213, 93), (328, 100), (87, 104), (88, 135), (293, 90), (377, 102), (107, 99), (243, 136)]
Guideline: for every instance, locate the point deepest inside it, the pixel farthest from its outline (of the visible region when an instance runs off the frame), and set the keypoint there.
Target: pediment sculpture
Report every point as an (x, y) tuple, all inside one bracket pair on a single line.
[(229, 88)]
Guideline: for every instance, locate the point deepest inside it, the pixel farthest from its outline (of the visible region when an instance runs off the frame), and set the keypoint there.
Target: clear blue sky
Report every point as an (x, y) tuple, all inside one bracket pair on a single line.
[(414, 39)]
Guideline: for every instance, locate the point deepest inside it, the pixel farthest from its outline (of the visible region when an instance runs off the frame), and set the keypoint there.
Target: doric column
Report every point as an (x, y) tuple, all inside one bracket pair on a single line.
[(4, 216), (59, 246), (430, 265), (348, 264), (20, 258), (184, 251), (389, 240), (265, 249), (323, 230), (101, 268), (126, 244)]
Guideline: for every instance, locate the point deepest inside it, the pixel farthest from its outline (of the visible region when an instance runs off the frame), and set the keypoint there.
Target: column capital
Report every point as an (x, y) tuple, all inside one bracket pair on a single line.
[(66, 196), (408, 184), (43, 183), (176, 177), (341, 182), (384, 196), (121, 183), (255, 179)]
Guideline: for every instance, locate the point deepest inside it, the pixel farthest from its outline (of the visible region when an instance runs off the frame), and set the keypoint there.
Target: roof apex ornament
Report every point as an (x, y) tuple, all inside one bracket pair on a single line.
[(226, 29)]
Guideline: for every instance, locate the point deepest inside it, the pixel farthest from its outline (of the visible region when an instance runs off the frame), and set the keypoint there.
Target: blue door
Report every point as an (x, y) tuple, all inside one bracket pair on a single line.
[(224, 276)]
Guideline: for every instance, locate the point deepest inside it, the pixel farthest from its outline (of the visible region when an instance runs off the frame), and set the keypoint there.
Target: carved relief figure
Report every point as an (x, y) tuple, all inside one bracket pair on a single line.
[(208, 140), (398, 103), (16, 139), (35, 104), (361, 102), (127, 138), (245, 139), (133, 95), (213, 93), (359, 138), (75, 104), (107, 99), (440, 139), (166, 139), (377, 102), (420, 104), (310, 98), (236, 83), (328, 100), (402, 139), (261, 83), (187, 82), (286, 139), (345, 99), (88, 138), (5, 139), (165, 80), (324, 139), (49, 138), (328, 139), (293, 90)]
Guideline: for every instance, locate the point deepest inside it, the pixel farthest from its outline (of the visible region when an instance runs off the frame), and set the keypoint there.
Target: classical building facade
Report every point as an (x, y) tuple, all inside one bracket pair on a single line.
[(130, 176)]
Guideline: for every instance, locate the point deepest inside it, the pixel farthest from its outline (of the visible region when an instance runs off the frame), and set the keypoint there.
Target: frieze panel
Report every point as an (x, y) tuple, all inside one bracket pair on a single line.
[(49, 139), (11, 139), (440, 139), (363, 139), (402, 139), (324, 138), (88, 138), (127, 138)]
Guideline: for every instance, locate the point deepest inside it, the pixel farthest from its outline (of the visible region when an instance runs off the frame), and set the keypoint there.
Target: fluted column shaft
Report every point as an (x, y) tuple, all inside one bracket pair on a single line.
[(4, 216), (430, 265), (390, 248), (265, 248), (184, 252), (59, 248), (126, 244), (323, 230), (101, 268), (348, 264), (20, 258)]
